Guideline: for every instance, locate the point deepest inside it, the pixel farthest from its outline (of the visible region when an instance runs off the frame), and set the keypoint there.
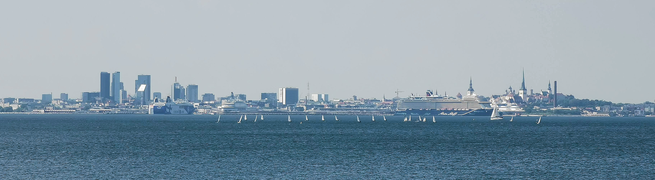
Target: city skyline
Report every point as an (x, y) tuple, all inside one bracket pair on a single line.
[(595, 50)]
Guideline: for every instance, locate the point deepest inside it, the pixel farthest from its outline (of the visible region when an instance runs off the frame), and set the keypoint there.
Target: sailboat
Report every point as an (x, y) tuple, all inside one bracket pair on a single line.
[(433, 120), (495, 115), (424, 119), (322, 118), (419, 118), (335, 118), (405, 120), (384, 117), (262, 117), (373, 118), (306, 119), (512, 119), (245, 117), (289, 117), (539, 121), (219, 118), (410, 118), (239, 122), (255, 118), (358, 119)]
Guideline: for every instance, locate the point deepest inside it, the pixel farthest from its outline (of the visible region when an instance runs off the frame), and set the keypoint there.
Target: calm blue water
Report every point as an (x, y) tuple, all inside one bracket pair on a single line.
[(196, 147)]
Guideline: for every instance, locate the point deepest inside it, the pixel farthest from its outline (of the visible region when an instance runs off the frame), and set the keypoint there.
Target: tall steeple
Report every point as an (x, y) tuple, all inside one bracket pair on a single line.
[(523, 92), (523, 83), (470, 90)]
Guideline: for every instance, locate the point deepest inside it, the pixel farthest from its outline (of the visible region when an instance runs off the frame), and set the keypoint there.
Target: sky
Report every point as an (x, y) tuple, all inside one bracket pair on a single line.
[(595, 49)]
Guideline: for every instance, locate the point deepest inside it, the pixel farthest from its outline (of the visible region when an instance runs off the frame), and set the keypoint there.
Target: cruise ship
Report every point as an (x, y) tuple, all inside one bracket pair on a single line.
[(170, 107), (435, 105)]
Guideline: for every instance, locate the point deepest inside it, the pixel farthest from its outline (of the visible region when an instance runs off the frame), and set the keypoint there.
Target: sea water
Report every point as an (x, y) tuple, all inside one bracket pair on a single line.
[(197, 147)]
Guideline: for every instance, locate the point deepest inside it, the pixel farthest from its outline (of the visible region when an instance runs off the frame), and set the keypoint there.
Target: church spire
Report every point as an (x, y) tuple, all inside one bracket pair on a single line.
[(523, 83), (470, 91)]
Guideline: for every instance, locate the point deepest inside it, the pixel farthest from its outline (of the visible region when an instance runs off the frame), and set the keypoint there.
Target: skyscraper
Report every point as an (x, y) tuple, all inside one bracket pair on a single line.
[(192, 93), (46, 98), (143, 97), (104, 86), (116, 87), (177, 91), (63, 97), (288, 96)]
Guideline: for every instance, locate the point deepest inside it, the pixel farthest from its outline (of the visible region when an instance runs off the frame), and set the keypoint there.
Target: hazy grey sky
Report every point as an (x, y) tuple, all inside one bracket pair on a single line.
[(595, 49)]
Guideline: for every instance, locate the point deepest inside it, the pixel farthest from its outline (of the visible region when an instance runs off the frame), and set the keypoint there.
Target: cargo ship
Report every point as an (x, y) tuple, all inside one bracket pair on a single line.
[(170, 107), (435, 105)]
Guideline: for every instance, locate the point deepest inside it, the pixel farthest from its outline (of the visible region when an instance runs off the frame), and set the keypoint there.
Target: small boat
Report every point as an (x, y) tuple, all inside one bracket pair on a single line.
[(410, 118), (384, 117), (255, 118), (405, 120), (424, 119), (262, 117), (289, 118), (306, 119), (239, 122), (373, 118), (322, 118), (512, 119), (495, 115), (245, 117), (358, 119), (539, 121), (219, 118), (433, 120), (335, 118)]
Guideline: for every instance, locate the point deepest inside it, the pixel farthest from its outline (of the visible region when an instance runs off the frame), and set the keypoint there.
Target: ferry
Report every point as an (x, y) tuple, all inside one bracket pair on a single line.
[(170, 107)]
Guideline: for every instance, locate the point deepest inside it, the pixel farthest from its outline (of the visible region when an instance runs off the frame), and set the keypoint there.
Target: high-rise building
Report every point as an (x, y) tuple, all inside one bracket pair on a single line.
[(90, 97), (143, 97), (105, 86), (320, 98), (156, 95), (288, 96), (46, 98), (208, 97), (192, 93), (178, 92), (116, 87), (63, 97)]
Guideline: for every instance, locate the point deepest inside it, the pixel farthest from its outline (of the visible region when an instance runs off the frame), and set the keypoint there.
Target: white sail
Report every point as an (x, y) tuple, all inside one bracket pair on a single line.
[(289, 117), (373, 118), (495, 115), (245, 117), (539, 121), (358, 119), (410, 118), (240, 119), (405, 120), (322, 118), (384, 117), (255, 118), (424, 119), (512, 119), (306, 119), (219, 118), (262, 117), (433, 120), (335, 118)]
